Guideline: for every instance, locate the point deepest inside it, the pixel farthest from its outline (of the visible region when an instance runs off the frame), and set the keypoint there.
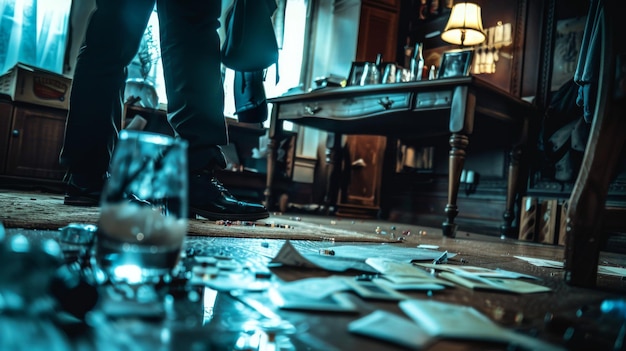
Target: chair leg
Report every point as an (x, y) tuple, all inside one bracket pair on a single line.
[(588, 198)]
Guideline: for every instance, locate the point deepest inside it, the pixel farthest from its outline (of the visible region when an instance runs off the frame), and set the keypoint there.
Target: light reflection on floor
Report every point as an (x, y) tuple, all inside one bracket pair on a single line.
[(208, 304)]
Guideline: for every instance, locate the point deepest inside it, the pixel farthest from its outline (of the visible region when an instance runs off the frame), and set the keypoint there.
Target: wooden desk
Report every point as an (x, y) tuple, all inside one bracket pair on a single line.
[(450, 108)]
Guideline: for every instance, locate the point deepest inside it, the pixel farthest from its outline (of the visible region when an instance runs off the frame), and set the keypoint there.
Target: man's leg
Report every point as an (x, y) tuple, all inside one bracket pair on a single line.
[(192, 72), (95, 111), (190, 50)]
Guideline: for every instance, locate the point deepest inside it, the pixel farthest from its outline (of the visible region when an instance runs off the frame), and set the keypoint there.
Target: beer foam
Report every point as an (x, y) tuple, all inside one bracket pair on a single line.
[(142, 225)]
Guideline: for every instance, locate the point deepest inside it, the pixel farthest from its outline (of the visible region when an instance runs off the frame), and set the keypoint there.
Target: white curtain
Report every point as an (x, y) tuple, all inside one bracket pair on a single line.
[(33, 32)]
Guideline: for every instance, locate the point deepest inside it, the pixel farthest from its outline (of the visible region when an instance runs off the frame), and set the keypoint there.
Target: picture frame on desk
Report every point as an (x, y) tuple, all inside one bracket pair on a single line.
[(356, 71), (455, 63)]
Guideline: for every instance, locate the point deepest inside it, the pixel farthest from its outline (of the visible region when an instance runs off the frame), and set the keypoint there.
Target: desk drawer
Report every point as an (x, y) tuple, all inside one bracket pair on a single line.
[(353, 107), (433, 99)]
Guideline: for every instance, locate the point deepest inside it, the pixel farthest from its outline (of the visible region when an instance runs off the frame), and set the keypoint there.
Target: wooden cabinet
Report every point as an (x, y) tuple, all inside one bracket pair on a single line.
[(360, 192), (31, 140), (6, 116), (378, 30)]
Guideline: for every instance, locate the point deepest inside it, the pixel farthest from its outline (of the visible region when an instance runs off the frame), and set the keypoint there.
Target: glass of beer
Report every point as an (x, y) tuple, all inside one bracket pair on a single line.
[(143, 215)]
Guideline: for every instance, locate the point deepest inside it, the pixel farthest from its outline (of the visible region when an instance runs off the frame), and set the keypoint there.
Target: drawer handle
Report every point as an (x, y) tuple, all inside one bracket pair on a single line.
[(385, 102), (311, 110)]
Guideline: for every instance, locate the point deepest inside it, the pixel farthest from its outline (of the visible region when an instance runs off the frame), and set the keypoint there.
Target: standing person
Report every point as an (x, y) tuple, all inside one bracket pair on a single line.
[(190, 51)]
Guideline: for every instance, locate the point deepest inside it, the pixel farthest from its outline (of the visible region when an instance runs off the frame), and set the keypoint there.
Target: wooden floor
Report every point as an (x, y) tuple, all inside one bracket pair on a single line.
[(576, 320)]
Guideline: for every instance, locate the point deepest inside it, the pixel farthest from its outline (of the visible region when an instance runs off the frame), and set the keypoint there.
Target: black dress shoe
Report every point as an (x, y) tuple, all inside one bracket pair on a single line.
[(83, 189), (208, 198)]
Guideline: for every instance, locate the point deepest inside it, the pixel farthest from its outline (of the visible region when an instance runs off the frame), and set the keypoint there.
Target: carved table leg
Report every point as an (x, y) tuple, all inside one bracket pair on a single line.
[(458, 144), (274, 132), (506, 228), (333, 170), (269, 180)]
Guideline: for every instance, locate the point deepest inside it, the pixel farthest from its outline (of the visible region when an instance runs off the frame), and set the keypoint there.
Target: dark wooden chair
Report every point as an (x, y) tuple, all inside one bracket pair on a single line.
[(588, 218)]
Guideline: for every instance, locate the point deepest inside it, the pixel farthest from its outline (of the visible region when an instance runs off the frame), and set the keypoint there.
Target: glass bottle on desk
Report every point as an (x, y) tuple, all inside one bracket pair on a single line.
[(432, 74), (417, 62), (372, 71), (379, 62)]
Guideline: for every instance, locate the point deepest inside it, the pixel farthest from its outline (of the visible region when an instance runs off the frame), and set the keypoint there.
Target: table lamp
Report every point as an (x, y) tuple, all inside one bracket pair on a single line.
[(465, 25)]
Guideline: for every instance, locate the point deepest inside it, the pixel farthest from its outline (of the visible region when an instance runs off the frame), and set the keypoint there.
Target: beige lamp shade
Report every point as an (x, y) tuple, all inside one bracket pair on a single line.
[(465, 26)]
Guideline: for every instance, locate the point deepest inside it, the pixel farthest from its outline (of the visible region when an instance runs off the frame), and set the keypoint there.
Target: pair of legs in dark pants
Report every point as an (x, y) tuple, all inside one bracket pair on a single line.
[(190, 52)]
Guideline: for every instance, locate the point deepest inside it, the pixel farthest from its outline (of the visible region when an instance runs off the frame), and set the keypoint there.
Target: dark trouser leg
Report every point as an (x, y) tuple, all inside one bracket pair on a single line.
[(190, 50), (195, 97), (94, 117)]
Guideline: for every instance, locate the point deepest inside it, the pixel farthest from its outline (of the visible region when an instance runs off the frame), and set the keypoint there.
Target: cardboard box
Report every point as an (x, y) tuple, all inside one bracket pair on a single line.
[(547, 230), (563, 224), (36, 86), (528, 219)]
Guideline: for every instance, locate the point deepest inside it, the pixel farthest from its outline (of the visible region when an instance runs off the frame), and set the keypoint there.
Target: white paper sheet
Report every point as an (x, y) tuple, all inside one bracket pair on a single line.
[(452, 321), (347, 257), (540, 262)]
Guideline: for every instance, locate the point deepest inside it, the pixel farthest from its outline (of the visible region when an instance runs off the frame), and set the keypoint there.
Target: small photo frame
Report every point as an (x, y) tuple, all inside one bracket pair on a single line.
[(455, 63), (356, 72)]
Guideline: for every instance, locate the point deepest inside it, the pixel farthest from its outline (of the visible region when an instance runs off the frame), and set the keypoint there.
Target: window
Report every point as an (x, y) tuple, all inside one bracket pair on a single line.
[(34, 33)]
